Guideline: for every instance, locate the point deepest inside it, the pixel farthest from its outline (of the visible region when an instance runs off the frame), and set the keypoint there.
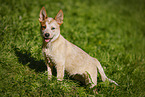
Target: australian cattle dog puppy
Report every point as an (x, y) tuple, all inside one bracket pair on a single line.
[(66, 56)]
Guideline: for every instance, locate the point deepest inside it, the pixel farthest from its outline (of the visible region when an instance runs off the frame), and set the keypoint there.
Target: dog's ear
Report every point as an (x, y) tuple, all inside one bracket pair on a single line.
[(59, 17), (42, 15)]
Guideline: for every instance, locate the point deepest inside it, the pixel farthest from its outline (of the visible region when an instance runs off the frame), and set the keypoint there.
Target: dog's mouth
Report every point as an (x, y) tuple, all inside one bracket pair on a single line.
[(47, 39)]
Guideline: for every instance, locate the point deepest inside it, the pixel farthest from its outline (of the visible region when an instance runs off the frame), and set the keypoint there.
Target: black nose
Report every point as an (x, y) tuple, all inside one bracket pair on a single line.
[(47, 34)]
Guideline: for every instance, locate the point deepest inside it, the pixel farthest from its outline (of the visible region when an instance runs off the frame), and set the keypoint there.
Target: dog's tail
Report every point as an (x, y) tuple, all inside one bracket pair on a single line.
[(101, 71)]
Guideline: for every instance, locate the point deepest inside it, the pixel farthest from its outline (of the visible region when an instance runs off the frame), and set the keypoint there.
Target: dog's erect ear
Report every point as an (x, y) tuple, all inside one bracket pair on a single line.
[(42, 15), (59, 17)]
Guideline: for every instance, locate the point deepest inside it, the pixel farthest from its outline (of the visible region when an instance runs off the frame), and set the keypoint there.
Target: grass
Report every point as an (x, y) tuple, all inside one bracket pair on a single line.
[(112, 31)]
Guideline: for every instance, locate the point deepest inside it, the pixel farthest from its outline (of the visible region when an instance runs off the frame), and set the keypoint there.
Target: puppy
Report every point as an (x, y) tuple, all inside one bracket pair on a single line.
[(66, 56)]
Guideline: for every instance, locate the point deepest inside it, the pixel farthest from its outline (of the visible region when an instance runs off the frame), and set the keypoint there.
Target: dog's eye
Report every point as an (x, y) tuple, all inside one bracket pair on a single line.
[(43, 27), (52, 28)]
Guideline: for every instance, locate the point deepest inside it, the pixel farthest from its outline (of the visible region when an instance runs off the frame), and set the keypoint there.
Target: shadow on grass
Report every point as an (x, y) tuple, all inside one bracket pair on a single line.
[(25, 58)]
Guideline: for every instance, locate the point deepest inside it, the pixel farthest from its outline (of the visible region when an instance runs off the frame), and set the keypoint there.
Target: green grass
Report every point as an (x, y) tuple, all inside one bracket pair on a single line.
[(113, 31)]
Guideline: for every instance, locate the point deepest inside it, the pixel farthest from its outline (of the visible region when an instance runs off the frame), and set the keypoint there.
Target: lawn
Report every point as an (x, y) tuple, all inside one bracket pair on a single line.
[(113, 31)]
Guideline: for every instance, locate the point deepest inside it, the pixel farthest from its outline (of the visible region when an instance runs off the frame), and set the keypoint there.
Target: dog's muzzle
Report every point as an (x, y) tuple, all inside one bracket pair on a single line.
[(47, 37)]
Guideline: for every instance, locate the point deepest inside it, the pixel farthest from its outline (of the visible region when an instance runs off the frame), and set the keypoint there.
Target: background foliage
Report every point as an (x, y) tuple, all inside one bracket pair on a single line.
[(113, 31)]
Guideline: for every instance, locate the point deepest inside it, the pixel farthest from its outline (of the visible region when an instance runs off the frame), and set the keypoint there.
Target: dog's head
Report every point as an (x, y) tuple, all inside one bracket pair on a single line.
[(50, 28)]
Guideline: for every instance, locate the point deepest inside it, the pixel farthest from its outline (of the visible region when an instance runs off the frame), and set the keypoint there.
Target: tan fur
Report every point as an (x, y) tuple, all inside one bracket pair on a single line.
[(66, 56)]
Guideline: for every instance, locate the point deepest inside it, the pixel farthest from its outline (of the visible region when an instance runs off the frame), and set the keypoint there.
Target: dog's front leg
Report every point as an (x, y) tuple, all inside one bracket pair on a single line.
[(60, 71), (49, 68)]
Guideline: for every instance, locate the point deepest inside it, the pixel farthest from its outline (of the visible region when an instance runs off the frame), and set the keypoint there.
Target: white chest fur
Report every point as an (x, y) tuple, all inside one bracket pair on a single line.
[(49, 53)]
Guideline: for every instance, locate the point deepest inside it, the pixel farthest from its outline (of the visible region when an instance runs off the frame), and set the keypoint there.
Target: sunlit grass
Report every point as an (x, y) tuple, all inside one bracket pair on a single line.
[(111, 31)]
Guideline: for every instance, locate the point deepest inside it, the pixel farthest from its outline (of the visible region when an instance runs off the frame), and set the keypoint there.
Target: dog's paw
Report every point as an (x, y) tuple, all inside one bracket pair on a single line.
[(59, 79), (49, 77), (95, 91)]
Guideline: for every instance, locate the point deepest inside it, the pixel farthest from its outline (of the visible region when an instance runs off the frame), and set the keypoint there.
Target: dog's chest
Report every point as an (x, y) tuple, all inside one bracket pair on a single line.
[(47, 52)]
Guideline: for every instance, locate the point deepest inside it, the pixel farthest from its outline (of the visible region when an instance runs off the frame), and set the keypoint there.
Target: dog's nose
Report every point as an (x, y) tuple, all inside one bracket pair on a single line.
[(47, 34)]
